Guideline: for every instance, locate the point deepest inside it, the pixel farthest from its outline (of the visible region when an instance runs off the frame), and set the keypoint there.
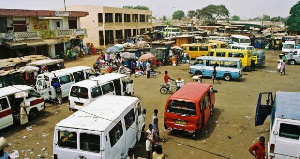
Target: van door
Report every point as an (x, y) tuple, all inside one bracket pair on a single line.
[(206, 108), (6, 117), (140, 120), (65, 143), (42, 88), (264, 107), (90, 144), (287, 143), (131, 127), (117, 142), (65, 84)]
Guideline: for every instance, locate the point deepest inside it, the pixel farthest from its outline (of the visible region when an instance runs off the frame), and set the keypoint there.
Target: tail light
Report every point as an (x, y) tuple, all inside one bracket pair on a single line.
[(272, 147), (55, 156)]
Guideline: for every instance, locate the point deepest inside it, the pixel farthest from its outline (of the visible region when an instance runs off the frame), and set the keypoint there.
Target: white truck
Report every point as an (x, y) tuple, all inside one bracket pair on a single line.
[(284, 111), (288, 46)]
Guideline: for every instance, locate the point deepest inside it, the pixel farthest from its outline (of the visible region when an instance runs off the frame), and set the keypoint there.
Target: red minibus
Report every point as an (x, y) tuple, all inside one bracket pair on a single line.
[(190, 107)]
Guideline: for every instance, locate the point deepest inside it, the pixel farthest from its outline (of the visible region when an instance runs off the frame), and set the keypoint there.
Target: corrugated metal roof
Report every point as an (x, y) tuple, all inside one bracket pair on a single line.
[(191, 91), (106, 109), (288, 105)]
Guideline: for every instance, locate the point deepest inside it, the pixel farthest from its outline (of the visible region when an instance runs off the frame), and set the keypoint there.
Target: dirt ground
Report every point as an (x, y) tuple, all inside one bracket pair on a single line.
[(230, 131)]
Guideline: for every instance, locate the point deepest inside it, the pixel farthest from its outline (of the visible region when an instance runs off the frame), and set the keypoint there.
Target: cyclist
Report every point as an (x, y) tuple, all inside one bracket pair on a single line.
[(167, 82)]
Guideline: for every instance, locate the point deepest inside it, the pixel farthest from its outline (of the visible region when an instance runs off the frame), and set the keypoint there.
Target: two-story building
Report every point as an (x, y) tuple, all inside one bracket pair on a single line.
[(106, 25), (44, 32)]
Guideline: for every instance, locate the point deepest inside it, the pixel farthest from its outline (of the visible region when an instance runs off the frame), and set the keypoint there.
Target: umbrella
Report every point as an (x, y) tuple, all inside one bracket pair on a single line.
[(119, 46), (146, 57), (112, 49), (176, 47), (128, 55)]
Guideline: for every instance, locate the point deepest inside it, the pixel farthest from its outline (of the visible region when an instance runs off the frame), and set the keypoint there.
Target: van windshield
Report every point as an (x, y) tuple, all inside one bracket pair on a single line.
[(80, 92), (182, 107), (32, 93)]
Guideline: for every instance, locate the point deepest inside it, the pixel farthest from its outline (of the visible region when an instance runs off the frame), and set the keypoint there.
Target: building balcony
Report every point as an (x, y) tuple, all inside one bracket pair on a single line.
[(27, 35), (70, 32)]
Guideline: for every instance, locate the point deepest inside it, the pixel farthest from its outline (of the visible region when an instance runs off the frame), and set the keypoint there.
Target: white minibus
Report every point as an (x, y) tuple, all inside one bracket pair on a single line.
[(84, 92), (66, 77), (240, 40), (105, 129)]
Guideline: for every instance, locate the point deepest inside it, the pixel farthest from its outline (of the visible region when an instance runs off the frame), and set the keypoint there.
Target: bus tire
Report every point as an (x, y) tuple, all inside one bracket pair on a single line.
[(198, 73), (227, 77), (33, 114)]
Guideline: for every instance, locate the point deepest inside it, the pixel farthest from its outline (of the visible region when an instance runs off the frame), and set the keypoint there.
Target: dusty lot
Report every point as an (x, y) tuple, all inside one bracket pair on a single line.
[(230, 131)]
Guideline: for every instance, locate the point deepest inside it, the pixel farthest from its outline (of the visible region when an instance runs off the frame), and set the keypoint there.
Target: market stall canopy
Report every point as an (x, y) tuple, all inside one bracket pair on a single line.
[(128, 55), (146, 57), (45, 62), (112, 49), (28, 69), (119, 46)]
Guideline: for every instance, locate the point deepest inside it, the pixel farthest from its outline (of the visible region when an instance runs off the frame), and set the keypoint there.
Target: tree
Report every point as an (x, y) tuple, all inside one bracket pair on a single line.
[(293, 21), (266, 17), (191, 14), (179, 14), (212, 13), (137, 7), (277, 19), (235, 18)]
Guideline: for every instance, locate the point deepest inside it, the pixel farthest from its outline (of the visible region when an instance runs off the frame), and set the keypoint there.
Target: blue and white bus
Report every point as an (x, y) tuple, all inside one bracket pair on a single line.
[(227, 68)]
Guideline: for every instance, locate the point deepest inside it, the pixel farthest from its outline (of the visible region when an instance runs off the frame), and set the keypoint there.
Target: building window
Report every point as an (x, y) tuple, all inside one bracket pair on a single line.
[(127, 33), (3, 25), (101, 38), (142, 18), (109, 38), (108, 17), (135, 18), (142, 31), (20, 26), (148, 18), (100, 18), (72, 23), (134, 32), (126, 17), (119, 34), (118, 17)]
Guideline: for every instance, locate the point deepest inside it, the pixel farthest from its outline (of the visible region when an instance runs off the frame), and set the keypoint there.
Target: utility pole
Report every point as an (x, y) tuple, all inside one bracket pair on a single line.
[(65, 5)]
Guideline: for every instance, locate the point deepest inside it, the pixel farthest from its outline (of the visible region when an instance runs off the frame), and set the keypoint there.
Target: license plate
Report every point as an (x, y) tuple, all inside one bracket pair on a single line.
[(180, 122), (79, 104)]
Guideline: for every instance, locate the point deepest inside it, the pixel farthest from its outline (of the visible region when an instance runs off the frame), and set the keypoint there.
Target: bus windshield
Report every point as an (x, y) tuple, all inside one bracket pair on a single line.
[(182, 108)]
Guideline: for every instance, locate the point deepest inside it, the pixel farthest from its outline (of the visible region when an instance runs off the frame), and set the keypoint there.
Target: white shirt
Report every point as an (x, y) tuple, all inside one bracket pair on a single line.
[(180, 83), (150, 134), (148, 66)]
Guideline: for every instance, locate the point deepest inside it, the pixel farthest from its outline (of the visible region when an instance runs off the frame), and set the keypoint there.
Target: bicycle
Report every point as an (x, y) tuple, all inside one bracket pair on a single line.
[(165, 88)]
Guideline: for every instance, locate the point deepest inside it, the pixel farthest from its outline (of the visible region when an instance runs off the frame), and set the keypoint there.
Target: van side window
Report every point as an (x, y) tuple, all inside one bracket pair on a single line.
[(115, 133), (65, 79), (129, 118), (54, 80), (67, 139), (3, 104), (138, 108), (107, 88), (96, 92), (200, 106), (210, 54), (220, 54), (79, 76), (289, 131), (193, 48), (203, 48), (205, 101), (89, 142)]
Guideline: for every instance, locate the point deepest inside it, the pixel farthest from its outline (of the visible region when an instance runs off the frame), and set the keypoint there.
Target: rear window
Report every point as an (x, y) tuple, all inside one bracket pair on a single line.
[(80, 92), (182, 108), (289, 131), (89, 142), (67, 139)]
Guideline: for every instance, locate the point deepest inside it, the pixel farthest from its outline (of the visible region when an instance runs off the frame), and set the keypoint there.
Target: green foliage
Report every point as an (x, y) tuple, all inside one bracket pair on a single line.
[(277, 19), (212, 13), (266, 17), (191, 14), (179, 14), (165, 21), (293, 21), (137, 7), (235, 18)]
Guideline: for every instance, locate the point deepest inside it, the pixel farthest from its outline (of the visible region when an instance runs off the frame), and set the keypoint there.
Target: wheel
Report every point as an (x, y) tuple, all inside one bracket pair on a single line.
[(198, 73), (292, 62), (227, 77), (163, 90), (59, 99), (33, 114)]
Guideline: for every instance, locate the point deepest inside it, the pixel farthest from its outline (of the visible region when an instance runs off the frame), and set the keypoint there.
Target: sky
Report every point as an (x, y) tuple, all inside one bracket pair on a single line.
[(244, 8)]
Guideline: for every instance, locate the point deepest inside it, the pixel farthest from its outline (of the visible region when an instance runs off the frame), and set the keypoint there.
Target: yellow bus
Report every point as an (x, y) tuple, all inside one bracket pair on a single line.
[(221, 44), (244, 55), (196, 49)]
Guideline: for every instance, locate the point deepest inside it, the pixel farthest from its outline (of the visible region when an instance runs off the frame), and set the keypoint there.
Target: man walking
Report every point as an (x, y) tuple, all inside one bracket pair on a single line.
[(155, 123), (150, 141), (258, 148)]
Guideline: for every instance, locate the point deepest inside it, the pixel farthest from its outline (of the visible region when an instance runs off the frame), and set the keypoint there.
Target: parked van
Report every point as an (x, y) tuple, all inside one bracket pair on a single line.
[(242, 47), (66, 77), (105, 129), (196, 49), (10, 100), (84, 92), (220, 44), (227, 68), (240, 40), (284, 111), (244, 55), (190, 107)]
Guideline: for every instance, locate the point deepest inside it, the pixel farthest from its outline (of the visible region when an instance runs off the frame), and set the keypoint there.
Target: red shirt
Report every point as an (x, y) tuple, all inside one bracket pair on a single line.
[(259, 150), (166, 78)]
